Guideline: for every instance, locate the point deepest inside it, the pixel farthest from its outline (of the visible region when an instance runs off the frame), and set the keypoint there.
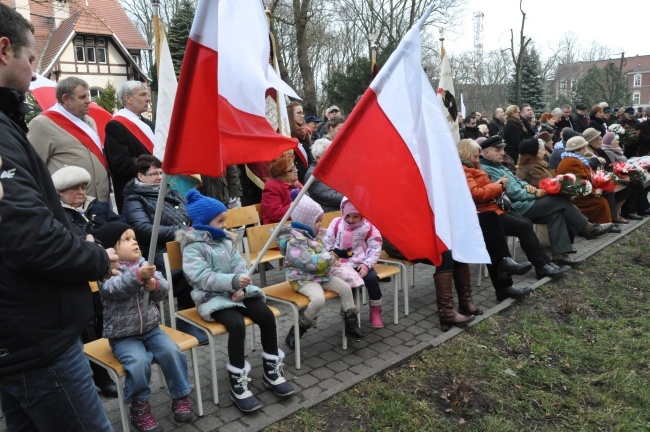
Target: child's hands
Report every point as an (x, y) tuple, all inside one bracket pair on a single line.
[(336, 262), (363, 270), (244, 281), (238, 295), (150, 285), (147, 271)]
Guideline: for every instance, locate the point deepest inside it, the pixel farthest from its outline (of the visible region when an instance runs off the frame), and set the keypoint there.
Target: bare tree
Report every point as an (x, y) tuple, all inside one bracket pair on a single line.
[(517, 58)]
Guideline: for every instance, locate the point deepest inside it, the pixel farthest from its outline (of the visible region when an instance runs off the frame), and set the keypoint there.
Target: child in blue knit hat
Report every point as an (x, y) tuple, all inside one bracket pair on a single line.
[(223, 292)]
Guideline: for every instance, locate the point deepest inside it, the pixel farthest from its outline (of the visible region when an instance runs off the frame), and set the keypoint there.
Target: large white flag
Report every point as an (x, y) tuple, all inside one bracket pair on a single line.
[(167, 86), (447, 95)]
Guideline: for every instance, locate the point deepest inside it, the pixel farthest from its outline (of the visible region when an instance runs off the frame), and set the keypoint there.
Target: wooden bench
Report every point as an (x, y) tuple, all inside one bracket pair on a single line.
[(100, 353), (284, 293), (174, 261), (256, 238)]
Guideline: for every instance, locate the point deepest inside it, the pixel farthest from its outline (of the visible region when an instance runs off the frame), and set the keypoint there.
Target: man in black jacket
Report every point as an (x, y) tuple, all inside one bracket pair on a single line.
[(579, 119), (45, 301), (496, 125)]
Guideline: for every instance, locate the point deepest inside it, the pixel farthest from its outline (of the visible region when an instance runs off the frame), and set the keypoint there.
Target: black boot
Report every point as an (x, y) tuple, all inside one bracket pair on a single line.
[(513, 292), (508, 267), (274, 375), (352, 328), (239, 393)]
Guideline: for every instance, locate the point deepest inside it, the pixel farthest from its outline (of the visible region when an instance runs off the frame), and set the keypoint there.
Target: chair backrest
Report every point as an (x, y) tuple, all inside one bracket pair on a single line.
[(174, 256), (242, 216), (329, 217), (257, 236), (258, 207)]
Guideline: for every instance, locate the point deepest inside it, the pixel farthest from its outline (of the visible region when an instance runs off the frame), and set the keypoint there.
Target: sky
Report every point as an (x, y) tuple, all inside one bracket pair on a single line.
[(548, 20)]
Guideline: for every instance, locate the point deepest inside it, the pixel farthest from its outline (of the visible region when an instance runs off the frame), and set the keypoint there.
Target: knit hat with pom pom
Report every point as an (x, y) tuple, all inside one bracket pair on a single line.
[(203, 209)]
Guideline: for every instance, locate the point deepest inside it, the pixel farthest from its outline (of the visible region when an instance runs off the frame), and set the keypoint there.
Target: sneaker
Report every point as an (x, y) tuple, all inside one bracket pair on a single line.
[(142, 418), (182, 410)]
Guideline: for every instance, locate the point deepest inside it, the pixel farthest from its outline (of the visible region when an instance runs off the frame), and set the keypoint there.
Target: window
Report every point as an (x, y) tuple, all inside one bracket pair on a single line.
[(91, 54), (89, 40), (79, 40), (636, 98), (79, 50), (101, 55), (574, 83), (95, 93), (563, 85), (637, 80)]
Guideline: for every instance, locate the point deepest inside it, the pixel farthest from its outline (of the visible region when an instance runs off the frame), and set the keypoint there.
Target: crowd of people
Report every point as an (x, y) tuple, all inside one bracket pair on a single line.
[(60, 230)]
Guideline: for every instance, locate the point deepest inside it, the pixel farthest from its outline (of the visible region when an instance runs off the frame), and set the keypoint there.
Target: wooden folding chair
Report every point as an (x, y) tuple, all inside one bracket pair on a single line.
[(256, 238), (100, 353), (174, 261), (242, 216)]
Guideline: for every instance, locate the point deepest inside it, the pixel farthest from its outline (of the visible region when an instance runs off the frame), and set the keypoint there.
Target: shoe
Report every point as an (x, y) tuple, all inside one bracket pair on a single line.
[(142, 418), (239, 393), (645, 212), (615, 229), (513, 292), (620, 220), (565, 268), (290, 340), (591, 231), (573, 250), (352, 328), (274, 374), (632, 216), (108, 388), (463, 284), (375, 315), (565, 260), (508, 267), (445, 301), (189, 329), (182, 410), (549, 270)]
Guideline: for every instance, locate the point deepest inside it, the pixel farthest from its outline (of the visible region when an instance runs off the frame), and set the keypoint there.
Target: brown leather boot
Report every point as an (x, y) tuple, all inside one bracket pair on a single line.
[(445, 300), (463, 284)]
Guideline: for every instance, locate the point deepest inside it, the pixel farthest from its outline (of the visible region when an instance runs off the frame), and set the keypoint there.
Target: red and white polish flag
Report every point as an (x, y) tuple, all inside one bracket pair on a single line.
[(219, 110), (396, 160)]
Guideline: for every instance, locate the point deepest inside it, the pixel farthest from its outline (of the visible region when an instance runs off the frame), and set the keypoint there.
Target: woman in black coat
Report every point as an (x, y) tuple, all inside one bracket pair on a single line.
[(597, 121), (514, 132)]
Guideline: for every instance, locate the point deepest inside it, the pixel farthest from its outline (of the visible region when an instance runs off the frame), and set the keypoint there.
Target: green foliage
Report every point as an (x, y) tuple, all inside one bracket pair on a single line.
[(108, 98), (603, 84), (179, 32), (37, 109), (344, 87), (533, 88)]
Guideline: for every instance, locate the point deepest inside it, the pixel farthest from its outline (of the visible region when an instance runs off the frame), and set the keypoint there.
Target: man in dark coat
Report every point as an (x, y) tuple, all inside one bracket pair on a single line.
[(527, 118), (565, 121), (45, 301), (470, 131), (128, 136), (579, 119), (496, 125)]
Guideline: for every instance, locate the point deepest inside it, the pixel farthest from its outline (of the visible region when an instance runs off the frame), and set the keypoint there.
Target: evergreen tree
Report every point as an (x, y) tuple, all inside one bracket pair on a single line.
[(607, 84), (533, 87), (179, 32), (108, 98)]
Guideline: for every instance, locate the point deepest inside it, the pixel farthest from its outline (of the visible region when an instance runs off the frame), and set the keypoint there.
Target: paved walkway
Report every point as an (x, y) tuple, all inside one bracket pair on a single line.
[(327, 369)]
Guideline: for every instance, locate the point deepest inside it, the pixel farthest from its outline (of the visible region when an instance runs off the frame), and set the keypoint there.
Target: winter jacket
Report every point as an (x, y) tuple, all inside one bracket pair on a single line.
[(307, 259), (564, 122), (366, 242), (599, 125), (123, 301), (471, 133), (45, 300), (324, 195), (94, 210), (495, 126), (580, 122), (521, 200), (223, 188), (275, 201), (212, 268), (122, 148), (139, 210), (532, 170), (484, 191), (513, 133), (594, 207)]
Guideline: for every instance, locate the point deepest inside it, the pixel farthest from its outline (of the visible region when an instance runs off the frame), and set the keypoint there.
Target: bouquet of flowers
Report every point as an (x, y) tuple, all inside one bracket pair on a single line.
[(642, 165), (602, 181), (566, 184), (628, 171), (617, 129)]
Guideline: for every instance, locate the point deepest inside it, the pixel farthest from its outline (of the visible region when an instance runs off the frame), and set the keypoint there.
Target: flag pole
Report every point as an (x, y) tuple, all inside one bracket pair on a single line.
[(275, 232)]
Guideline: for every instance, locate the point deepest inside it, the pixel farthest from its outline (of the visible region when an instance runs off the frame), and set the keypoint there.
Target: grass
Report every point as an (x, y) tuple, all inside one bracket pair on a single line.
[(574, 356)]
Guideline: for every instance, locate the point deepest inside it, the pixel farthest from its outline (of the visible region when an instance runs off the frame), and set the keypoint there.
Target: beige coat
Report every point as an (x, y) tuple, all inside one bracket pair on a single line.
[(58, 148)]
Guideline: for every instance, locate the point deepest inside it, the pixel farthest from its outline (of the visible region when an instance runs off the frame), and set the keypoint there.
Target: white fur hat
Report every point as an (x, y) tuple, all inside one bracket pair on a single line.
[(69, 176)]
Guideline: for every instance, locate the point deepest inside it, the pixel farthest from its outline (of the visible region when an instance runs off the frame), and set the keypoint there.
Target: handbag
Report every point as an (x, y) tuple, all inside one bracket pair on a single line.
[(503, 202)]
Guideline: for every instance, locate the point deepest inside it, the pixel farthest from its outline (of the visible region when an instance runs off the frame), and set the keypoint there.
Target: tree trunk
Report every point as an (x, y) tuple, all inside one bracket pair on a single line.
[(301, 18)]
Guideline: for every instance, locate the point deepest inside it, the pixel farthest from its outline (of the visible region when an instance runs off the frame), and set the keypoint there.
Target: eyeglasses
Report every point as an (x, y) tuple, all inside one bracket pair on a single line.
[(153, 174)]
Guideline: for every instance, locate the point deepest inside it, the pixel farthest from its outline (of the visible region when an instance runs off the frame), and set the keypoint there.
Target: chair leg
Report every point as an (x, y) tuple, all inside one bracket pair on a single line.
[(197, 381), (252, 341), (120, 397), (479, 277), (261, 268), (396, 297)]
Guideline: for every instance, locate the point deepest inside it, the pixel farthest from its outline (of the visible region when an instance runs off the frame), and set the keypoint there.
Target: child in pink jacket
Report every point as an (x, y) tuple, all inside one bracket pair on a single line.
[(358, 243)]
